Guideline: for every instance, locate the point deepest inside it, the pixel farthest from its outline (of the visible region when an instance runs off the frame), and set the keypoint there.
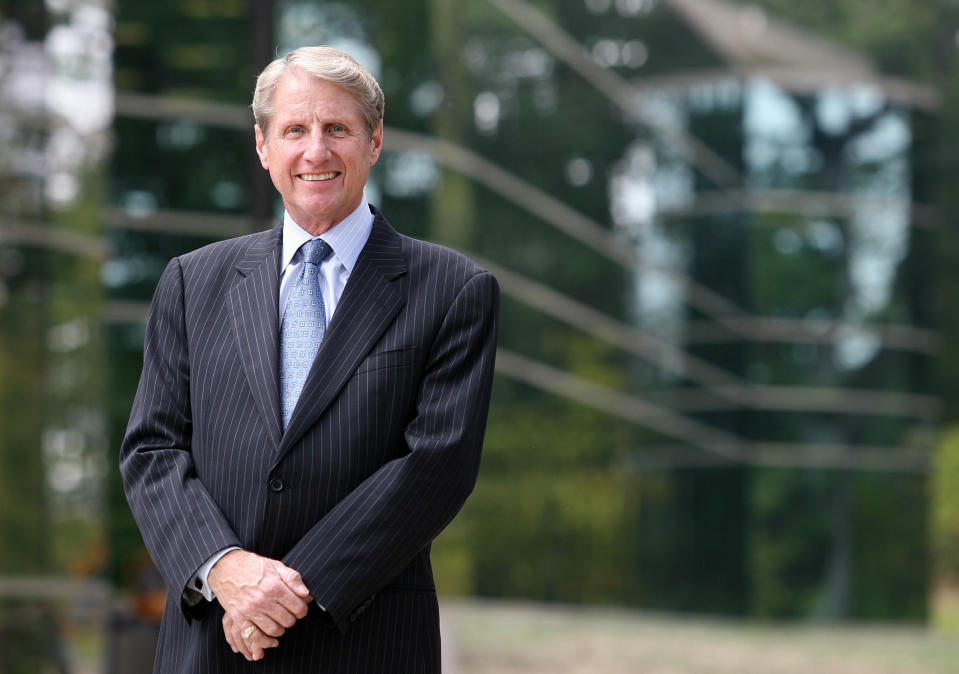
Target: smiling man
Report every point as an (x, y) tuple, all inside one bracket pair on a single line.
[(311, 409)]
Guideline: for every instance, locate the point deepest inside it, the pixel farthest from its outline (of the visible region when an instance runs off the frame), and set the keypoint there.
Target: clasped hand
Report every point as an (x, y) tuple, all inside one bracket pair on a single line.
[(257, 591)]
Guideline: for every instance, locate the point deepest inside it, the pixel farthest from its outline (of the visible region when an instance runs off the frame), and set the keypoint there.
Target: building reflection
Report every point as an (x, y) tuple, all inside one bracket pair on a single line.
[(712, 238)]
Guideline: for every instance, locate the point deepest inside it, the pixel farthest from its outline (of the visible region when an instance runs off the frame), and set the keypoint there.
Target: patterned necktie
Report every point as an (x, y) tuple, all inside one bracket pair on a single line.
[(304, 322)]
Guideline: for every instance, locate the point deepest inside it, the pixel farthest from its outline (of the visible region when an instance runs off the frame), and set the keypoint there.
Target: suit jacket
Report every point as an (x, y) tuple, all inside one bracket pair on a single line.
[(380, 453)]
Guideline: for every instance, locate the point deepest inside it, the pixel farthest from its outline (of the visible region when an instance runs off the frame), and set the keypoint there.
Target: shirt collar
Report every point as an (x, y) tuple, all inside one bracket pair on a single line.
[(346, 238)]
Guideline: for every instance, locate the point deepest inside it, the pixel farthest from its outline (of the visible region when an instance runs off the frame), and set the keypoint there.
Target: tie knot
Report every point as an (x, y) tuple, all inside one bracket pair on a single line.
[(315, 251)]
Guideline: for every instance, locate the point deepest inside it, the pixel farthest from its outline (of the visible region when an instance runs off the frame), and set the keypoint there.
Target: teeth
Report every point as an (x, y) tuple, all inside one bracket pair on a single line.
[(318, 176)]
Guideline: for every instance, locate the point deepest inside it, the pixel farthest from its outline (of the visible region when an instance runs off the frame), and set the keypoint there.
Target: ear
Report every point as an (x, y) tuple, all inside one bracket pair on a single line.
[(261, 146), (376, 143)]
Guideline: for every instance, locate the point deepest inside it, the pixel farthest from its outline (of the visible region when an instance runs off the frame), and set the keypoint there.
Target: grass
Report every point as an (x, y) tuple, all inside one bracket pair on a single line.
[(486, 637), (510, 638)]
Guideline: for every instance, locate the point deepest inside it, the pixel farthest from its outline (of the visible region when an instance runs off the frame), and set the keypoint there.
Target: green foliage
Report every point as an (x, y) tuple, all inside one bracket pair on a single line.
[(557, 513), (945, 507), (23, 516), (826, 544), (788, 541), (891, 557), (689, 548), (30, 637), (905, 37), (551, 535), (530, 432)]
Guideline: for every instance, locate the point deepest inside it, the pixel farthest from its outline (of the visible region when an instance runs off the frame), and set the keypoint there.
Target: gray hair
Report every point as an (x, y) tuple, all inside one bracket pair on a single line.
[(326, 63)]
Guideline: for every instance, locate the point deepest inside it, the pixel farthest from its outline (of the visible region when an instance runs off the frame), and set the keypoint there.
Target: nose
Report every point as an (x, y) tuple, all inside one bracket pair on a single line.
[(317, 147)]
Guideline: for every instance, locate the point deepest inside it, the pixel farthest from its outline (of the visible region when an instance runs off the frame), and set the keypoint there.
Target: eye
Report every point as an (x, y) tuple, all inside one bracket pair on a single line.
[(294, 130), (337, 129)]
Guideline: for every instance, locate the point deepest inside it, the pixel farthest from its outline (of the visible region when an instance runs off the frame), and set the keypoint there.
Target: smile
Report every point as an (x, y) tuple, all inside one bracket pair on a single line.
[(312, 177)]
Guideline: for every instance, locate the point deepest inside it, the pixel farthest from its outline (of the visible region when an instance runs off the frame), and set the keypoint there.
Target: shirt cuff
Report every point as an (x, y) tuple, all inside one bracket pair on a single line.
[(198, 583)]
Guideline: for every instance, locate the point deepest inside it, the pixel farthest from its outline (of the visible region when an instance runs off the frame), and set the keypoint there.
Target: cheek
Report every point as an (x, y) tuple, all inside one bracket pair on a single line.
[(279, 160), (270, 156)]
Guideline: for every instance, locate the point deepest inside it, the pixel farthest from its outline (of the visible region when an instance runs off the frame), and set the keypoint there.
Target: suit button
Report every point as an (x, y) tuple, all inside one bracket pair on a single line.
[(276, 484)]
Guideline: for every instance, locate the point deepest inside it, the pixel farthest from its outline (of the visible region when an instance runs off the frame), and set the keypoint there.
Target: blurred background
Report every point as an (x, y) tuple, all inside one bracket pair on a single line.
[(722, 436)]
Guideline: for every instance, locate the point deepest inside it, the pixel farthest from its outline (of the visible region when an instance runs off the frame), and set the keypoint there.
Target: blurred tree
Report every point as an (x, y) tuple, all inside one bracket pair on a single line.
[(52, 436), (191, 51), (945, 527), (25, 285), (566, 508)]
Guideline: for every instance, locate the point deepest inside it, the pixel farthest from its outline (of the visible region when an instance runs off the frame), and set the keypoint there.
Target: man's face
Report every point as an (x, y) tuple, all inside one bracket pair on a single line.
[(317, 150)]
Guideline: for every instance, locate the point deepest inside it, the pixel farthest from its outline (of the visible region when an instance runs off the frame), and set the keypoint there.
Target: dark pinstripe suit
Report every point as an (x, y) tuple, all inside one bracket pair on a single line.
[(381, 451)]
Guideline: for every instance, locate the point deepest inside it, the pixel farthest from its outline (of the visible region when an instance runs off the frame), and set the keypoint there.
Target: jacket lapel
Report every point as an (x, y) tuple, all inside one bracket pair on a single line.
[(254, 302), (369, 304)]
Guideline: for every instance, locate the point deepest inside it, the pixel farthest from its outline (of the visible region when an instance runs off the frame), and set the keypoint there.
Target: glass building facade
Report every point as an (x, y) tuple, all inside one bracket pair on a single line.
[(715, 384)]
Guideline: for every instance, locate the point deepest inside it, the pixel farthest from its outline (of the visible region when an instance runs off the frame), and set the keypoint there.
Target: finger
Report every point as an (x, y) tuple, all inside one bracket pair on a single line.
[(282, 605), (257, 643), (295, 606), (296, 601), (295, 596), (262, 641), (228, 632), (231, 632), (269, 626), (238, 641), (293, 580), (268, 609), (276, 599), (286, 611)]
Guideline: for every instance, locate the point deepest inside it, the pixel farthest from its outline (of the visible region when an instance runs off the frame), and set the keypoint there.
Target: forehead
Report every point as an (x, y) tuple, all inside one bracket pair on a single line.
[(300, 94)]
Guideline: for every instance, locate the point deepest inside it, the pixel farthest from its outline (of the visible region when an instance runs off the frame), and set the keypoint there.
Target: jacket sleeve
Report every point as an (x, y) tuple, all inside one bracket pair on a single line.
[(181, 524), (372, 534)]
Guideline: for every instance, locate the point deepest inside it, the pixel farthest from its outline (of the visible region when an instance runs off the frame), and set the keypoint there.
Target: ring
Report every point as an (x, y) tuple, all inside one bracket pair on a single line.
[(248, 632)]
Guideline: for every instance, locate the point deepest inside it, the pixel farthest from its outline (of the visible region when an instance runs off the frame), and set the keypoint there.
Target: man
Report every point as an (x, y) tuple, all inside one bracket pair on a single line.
[(311, 409)]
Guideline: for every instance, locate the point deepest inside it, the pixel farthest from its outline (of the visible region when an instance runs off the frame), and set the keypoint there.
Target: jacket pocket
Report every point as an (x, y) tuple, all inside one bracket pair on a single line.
[(383, 359)]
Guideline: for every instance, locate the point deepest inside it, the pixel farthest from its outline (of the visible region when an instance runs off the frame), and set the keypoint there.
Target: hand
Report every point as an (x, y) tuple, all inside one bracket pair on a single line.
[(260, 591), (252, 648)]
